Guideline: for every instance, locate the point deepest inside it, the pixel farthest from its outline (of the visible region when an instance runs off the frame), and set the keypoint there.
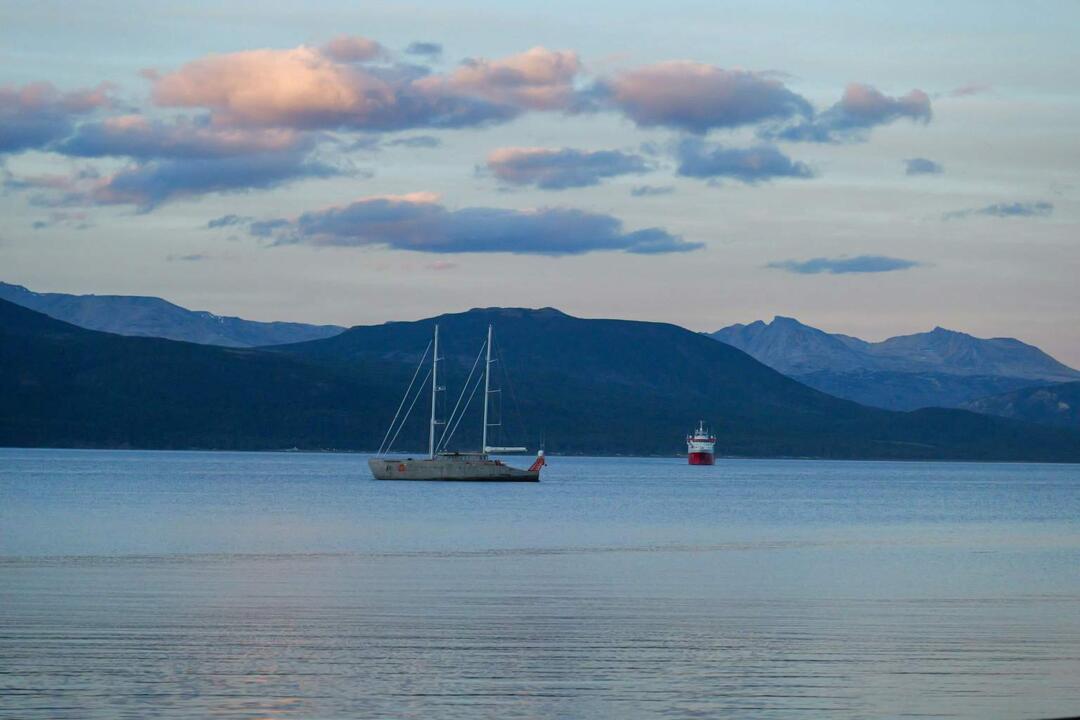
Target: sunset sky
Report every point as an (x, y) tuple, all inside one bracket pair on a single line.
[(868, 168)]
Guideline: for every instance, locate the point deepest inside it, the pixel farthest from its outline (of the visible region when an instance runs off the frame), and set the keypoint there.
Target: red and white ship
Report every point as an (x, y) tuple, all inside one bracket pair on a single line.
[(699, 445)]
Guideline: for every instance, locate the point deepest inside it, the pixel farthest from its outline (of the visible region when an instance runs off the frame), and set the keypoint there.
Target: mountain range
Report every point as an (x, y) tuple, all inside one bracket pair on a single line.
[(584, 386), (1050, 404), (940, 368), (154, 317)]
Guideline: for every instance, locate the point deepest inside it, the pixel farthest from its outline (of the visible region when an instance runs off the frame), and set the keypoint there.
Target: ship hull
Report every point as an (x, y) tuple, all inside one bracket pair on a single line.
[(701, 458), (472, 468)]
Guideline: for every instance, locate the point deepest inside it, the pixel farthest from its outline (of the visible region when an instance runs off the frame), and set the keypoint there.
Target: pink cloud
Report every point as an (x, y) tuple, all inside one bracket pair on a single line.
[(869, 103), (299, 87), (538, 79), (44, 95), (352, 48), (310, 88), (698, 97), (37, 114), (861, 108)]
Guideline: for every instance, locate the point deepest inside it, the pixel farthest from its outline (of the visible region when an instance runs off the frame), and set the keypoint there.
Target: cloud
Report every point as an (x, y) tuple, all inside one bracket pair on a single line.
[(651, 190), (860, 109), (152, 183), (1005, 210), (558, 169), (13, 182), (47, 187), (365, 143), (255, 119), (301, 87), (696, 97), (376, 143), (968, 90), (415, 141), (352, 49), (307, 88), (229, 221), (844, 265), (139, 137), (425, 49), (194, 257), (922, 166), (181, 157), (76, 220), (748, 165), (37, 114), (537, 79), (418, 222), (352, 84)]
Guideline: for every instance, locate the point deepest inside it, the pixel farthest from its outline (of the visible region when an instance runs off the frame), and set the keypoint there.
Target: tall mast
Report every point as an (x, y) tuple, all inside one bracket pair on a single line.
[(487, 384), (434, 393)]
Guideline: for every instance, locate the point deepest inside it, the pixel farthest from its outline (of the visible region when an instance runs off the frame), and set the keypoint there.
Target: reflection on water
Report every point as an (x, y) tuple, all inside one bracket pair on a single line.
[(288, 586)]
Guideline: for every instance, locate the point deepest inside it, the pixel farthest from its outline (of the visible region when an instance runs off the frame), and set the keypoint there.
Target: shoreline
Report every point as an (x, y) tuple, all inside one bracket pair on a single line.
[(678, 456)]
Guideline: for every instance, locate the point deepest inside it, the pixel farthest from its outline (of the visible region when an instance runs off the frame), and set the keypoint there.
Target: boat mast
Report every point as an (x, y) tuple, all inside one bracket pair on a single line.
[(487, 385), (434, 393)]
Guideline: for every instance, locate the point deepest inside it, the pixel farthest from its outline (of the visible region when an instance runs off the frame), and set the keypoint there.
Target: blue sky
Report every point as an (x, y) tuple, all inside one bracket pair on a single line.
[(698, 163)]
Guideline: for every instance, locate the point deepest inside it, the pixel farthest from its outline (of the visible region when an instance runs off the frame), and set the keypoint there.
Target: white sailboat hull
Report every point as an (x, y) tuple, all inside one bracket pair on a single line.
[(459, 467)]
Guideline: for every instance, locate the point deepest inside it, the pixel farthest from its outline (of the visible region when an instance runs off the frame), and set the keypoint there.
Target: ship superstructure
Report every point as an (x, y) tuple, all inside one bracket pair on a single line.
[(700, 445)]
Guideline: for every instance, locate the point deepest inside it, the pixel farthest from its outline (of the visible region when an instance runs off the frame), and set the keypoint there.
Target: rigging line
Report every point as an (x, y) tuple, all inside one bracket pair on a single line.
[(513, 395), (419, 392), (476, 386), (404, 398), (464, 387), (465, 409)]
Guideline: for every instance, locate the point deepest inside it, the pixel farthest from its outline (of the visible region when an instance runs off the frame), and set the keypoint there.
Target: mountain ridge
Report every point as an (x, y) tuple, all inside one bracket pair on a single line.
[(938, 350), (587, 386), (941, 367), (148, 316), (1048, 404)]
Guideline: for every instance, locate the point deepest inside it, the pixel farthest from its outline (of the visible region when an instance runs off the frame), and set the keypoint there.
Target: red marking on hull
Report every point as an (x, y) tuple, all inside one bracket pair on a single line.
[(701, 458)]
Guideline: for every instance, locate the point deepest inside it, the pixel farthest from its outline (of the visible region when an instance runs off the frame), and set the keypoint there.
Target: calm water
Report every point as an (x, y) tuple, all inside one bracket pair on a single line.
[(168, 585)]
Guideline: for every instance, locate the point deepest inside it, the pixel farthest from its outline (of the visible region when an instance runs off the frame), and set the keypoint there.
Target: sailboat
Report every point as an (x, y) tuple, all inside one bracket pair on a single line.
[(443, 465)]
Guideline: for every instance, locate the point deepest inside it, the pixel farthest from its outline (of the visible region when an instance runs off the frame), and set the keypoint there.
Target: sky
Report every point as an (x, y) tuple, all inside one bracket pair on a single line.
[(874, 168)]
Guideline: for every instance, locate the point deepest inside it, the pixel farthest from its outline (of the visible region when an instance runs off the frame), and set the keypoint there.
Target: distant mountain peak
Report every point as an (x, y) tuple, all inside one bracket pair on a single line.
[(787, 345), (516, 311), (943, 333), (13, 288), (146, 316), (900, 372)]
